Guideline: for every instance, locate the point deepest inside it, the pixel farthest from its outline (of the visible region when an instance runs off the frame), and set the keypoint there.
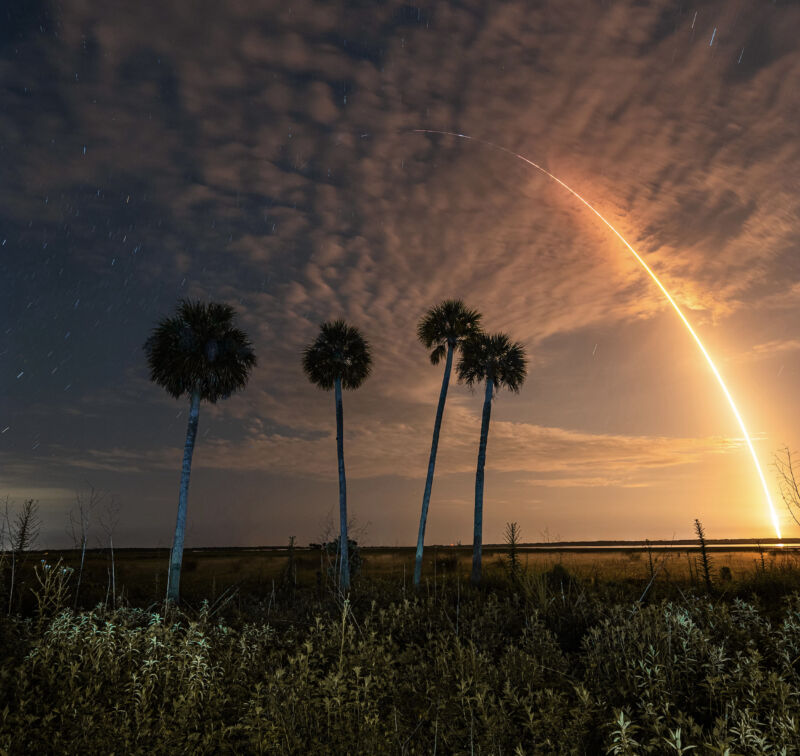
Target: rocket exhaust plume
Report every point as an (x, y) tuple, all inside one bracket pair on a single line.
[(655, 278)]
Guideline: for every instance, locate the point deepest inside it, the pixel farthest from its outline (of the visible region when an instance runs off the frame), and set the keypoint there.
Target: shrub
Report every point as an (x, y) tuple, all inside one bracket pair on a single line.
[(531, 665)]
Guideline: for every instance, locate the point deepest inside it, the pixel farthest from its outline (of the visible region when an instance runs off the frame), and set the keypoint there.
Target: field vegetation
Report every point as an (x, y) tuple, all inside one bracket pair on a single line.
[(554, 653)]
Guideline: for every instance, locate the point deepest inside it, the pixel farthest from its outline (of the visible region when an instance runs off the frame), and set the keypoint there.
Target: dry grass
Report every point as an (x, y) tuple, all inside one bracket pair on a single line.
[(556, 661), (207, 573)]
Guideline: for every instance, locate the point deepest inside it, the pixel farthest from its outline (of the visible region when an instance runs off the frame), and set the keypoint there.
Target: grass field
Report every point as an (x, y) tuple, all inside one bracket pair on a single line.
[(207, 573), (572, 653)]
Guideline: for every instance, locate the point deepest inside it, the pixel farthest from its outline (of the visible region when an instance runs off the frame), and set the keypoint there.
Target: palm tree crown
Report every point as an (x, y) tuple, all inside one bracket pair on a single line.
[(200, 350), (339, 351), (494, 358), (450, 322)]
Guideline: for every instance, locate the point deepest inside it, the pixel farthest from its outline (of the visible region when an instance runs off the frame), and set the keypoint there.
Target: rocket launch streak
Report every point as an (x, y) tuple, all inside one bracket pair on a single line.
[(655, 278)]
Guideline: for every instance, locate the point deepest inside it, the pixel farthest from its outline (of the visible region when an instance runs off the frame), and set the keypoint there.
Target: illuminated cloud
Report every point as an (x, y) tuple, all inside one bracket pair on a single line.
[(396, 449), (264, 157)]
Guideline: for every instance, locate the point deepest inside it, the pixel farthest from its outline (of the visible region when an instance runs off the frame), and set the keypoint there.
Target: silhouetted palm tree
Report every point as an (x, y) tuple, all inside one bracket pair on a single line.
[(339, 358), (197, 352), (444, 327), (498, 362)]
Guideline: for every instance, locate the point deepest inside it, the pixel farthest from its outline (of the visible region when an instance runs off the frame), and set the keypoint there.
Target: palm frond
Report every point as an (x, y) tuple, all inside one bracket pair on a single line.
[(449, 322), (339, 351), (200, 349), (496, 357), (438, 354)]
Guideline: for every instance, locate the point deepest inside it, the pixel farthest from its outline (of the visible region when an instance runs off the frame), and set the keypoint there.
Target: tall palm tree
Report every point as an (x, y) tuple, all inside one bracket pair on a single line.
[(498, 362), (339, 358), (200, 353), (445, 328)]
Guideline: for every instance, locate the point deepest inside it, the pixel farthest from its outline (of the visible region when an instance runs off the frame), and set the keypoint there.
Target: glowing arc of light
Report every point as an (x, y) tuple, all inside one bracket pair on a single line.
[(661, 286)]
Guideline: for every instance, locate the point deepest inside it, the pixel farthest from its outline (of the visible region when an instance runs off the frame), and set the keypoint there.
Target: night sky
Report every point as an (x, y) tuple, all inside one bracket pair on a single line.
[(261, 154)]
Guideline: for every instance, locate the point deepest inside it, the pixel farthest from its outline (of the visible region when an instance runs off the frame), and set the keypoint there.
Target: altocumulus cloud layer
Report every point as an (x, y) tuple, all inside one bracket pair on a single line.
[(263, 154)]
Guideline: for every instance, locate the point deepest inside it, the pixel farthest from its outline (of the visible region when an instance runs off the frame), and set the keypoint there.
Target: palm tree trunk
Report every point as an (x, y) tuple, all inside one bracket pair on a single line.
[(477, 538), (426, 497), (176, 555), (344, 559)]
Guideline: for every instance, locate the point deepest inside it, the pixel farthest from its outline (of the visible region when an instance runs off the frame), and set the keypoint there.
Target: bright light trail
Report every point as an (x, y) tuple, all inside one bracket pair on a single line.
[(773, 514)]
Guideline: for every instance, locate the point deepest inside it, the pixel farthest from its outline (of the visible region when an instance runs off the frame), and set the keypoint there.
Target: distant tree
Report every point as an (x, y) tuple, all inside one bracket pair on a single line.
[(80, 517), (22, 535), (339, 358), (788, 482), (333, 549), (512, 536), (498, 362), (108, 520), (704, 555), (26, 528), (443, 328), (197, 352)]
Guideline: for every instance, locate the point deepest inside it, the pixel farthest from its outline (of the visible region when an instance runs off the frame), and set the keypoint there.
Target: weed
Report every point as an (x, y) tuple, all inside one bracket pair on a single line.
[(512, 539), (705, 558)]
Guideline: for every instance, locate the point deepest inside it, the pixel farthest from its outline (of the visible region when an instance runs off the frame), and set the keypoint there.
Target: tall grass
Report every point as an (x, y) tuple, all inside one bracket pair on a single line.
[(542, 664), (705, 559)]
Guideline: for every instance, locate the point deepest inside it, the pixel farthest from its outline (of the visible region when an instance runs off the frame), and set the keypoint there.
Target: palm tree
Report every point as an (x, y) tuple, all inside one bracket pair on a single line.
[(498, 362), (444, 327), (197, 352), (339, 358)]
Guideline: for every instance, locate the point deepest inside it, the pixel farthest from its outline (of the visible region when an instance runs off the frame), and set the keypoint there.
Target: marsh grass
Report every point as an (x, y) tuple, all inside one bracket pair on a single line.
[(551, 661), (141, 573)]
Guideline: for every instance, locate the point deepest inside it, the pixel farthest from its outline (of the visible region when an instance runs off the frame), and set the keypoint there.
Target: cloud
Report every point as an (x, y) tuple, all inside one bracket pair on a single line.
[(666, 163), (374, 448), (282, 175), (776, 346)]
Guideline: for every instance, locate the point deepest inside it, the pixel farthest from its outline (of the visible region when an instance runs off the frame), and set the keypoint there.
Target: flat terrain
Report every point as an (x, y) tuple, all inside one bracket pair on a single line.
[(209, 572), (576, 651)]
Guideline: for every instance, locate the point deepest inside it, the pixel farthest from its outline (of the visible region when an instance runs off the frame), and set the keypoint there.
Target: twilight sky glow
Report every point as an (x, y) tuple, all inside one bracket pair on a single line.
[(262, 156)]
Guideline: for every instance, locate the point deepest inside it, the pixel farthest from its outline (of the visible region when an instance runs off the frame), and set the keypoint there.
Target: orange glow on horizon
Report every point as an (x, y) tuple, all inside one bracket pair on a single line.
[(773, 513)]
